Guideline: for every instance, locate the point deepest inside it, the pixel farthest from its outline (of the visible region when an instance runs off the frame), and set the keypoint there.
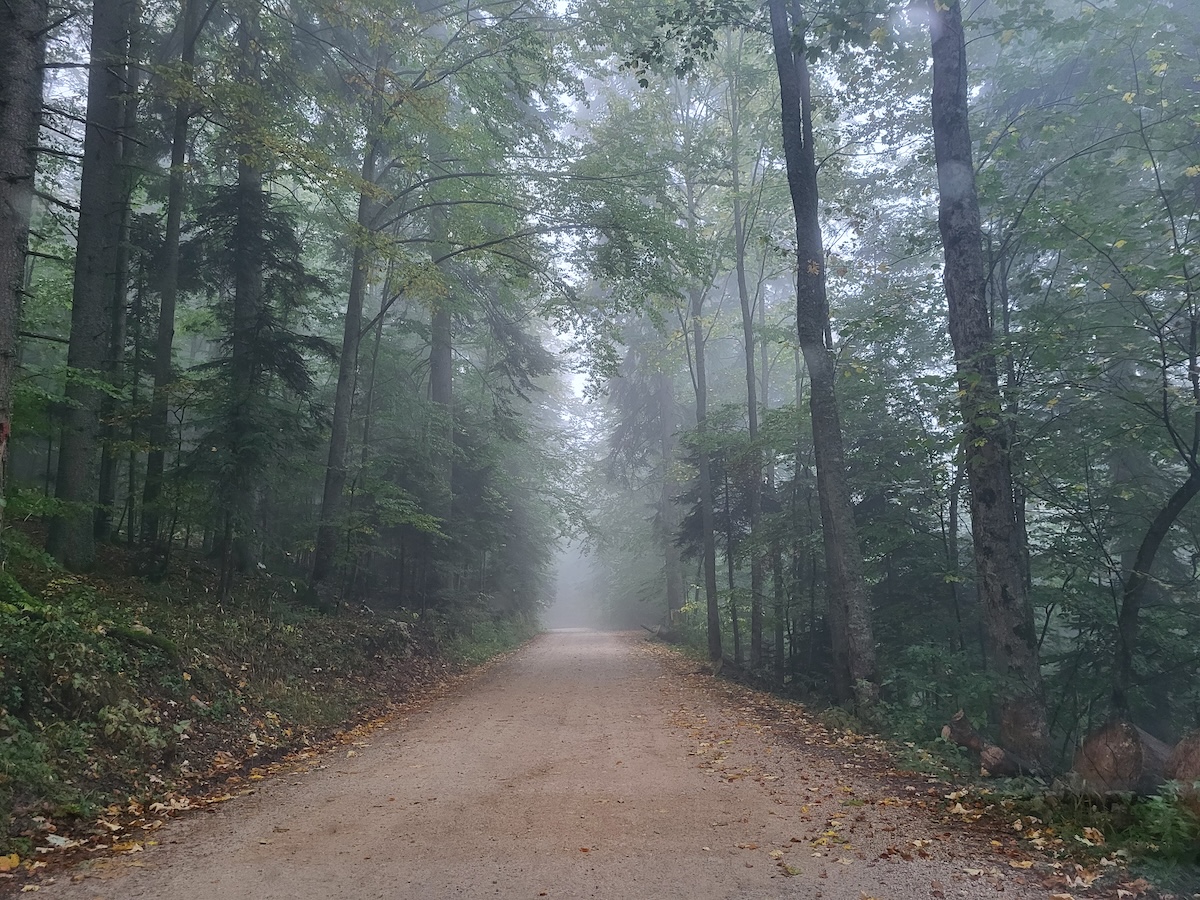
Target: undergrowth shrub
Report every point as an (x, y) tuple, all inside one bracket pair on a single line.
[(472, 640)]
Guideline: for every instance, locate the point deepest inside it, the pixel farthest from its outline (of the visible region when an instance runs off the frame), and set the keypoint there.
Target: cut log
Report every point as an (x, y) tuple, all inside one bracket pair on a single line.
[(663, 633), (1183, 766), (1121, 757), (993, 759), (960, 731)]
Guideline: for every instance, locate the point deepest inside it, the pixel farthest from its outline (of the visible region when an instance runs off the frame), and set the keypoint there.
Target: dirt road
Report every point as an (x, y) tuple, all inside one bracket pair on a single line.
[(584, 766)]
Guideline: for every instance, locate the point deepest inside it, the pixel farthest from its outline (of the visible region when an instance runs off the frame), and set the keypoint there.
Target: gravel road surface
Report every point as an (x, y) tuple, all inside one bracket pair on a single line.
[(585, 765)]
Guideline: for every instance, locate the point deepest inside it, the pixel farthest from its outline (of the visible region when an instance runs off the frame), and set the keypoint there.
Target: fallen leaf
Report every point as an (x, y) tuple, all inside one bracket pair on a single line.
[(1021, 864), (10, 862)]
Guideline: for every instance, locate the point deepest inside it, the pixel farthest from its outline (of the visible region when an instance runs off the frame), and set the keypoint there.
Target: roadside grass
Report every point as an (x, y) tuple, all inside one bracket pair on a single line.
[(479, 641), (119, 691)]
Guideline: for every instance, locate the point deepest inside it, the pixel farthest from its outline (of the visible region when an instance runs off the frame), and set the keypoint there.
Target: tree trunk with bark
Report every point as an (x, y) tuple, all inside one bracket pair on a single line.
[(119, 316), (672, 565), (1007, 612), (441, 393), (22, 52), (71, 540), (237, 548), (855, 673), (754, 474), (704, 476), (159, 426), (332, 500)]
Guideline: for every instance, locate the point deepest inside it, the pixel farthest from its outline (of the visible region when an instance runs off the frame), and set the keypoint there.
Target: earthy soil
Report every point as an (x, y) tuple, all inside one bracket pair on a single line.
[(585, 765)]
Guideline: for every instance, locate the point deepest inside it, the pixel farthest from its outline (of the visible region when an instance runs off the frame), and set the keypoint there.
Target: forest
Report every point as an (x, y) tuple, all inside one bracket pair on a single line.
[(855, 343)]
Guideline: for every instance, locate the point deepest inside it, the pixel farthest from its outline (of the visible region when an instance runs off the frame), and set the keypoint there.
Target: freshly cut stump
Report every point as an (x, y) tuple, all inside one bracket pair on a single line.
[(1121, 757), (1184, 766)]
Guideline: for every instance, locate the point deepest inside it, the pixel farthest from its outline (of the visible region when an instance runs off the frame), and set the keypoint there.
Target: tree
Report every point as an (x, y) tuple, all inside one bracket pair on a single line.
[(70, 538), (855, 673), (168, 287), (1013, 643), (23, 28)]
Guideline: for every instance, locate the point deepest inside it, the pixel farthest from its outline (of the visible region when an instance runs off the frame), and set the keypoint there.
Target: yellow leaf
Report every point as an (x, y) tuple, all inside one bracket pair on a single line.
[(1121, 243), (1107, 285), (10, 862), (1007, 35), (878, 36), (1192, 171), (1129, 95), (1021, 864)]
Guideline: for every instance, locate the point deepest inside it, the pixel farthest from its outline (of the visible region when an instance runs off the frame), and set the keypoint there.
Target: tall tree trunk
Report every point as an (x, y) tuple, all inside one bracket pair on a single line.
[(1007, 612), (672, 565), (441, 394), (71, 540), (735, 624), (22, 51), (855, 674), (704, 467), (135, 378), (755, 469), (245, 366), (119, 317), (160, 429), (778, 585), (343, 402)]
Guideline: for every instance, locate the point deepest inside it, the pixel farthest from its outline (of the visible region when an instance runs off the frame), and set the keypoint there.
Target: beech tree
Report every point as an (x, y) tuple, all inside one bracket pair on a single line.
[(23, 28), (855, 670), (994, 526)]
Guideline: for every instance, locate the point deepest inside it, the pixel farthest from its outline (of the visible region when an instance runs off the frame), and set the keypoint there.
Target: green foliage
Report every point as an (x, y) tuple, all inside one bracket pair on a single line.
[(926, 684), (104, 687), (477, 641), (1148, 831)]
